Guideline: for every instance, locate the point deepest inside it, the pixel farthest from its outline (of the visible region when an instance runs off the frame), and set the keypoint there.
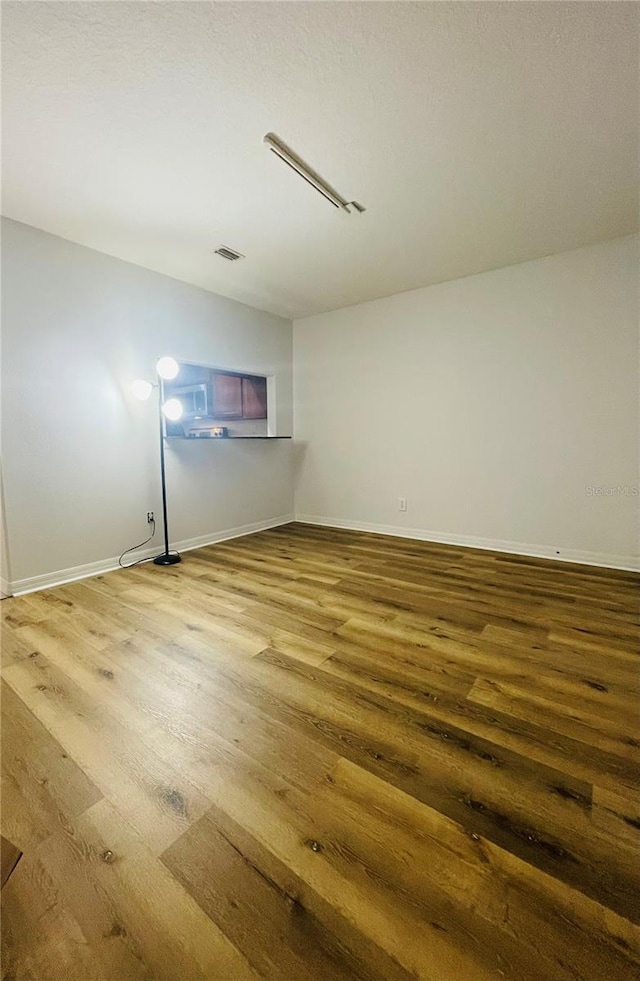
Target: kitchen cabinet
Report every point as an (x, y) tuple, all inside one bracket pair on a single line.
[(211, 397), (227, 395), (239, 396), (254, 397)]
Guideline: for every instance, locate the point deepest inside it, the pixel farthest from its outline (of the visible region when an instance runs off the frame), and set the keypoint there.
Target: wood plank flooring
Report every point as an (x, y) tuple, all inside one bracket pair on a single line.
[(320, 755)]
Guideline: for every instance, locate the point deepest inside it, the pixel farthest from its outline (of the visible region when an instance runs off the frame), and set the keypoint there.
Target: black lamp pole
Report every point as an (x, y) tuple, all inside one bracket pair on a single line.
[(166, 557)]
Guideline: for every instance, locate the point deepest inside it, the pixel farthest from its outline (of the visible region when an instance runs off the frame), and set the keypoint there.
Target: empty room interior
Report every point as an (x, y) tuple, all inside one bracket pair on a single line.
[(358, 699)]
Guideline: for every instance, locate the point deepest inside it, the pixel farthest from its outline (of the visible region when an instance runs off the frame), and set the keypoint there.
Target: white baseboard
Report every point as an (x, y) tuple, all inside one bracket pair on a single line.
[(59, 578), (625, 562), (5, 588), (629, 563)]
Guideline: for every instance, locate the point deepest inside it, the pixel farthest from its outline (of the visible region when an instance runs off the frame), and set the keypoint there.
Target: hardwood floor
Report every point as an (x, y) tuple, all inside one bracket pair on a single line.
[(310, 754)]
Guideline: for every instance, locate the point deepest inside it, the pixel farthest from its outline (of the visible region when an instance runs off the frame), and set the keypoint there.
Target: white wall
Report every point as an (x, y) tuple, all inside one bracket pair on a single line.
[(79, 453), (491, 403), (5, 571)]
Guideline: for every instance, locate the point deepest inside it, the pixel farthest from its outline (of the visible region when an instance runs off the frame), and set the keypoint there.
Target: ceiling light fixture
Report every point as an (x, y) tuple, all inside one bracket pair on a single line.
[(296, 163)]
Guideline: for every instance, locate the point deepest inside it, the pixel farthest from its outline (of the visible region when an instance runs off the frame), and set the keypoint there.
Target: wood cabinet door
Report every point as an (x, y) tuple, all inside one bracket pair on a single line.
[(227, 396), (254, 398)]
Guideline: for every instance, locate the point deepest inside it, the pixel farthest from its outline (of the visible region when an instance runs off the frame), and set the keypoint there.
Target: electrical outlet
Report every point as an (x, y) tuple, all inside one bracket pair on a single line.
[(402, 504), (150, 517)]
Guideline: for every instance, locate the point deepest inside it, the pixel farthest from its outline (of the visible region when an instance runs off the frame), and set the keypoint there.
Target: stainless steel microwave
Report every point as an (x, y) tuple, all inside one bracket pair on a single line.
[(194, 399)]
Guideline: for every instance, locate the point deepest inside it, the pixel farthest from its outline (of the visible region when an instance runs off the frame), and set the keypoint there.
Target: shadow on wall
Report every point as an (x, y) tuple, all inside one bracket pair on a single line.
[(298, 454)]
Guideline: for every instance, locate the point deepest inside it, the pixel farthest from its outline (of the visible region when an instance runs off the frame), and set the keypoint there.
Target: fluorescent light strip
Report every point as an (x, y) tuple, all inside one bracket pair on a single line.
[(301, 173), (292, 160)]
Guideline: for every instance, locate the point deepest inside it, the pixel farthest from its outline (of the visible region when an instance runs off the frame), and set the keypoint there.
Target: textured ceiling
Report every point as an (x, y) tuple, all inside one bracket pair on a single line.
[(476, 134)]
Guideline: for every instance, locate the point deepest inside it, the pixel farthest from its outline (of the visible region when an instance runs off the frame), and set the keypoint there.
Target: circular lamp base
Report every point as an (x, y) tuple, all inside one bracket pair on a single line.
[(167, 558)]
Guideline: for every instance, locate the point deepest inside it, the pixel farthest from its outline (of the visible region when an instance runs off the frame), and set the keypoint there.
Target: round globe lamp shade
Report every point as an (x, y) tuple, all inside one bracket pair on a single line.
[(167, 368)]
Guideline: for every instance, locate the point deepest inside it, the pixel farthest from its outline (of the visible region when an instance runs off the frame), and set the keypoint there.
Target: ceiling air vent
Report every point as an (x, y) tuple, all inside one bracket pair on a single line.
[(229, 254)]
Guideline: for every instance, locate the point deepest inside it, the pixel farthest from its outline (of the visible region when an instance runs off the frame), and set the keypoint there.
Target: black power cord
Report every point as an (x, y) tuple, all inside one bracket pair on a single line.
[(148, 558)]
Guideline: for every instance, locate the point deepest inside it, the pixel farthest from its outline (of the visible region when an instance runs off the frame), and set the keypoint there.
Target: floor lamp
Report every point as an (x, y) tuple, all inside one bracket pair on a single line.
[(166, 369)]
